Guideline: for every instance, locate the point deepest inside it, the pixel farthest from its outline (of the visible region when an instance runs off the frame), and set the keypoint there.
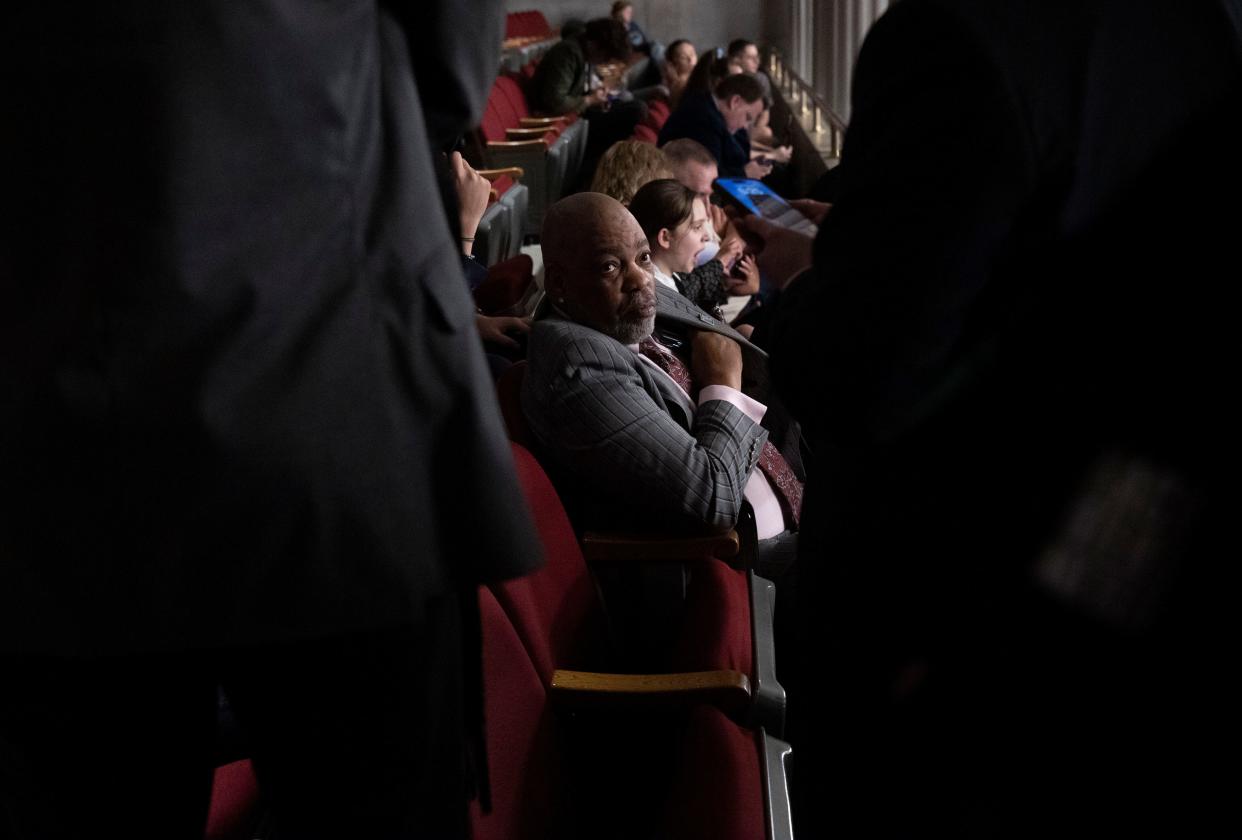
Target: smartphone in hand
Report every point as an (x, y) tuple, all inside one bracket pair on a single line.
[(756, 197)]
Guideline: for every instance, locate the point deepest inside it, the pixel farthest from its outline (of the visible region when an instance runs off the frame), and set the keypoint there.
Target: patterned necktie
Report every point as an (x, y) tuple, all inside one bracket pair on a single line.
[(667, 362), (786, 485)]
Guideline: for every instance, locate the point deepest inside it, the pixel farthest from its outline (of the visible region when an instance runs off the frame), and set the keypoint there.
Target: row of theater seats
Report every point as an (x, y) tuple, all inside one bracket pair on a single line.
[(549, 153), (685, 751), (549, 150), (528, 26), (680, 755), (527, 37)]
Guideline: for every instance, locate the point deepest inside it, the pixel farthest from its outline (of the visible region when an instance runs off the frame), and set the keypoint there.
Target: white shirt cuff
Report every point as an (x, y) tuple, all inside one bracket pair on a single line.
[(751, 408)]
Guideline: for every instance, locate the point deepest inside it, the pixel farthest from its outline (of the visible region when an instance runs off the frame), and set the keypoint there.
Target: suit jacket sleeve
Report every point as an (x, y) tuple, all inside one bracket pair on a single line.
[(454, 50), (597, 419)]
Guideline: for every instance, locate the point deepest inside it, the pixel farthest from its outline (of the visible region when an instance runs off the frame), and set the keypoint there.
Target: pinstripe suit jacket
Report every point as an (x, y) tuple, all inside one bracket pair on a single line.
[(616, 435)]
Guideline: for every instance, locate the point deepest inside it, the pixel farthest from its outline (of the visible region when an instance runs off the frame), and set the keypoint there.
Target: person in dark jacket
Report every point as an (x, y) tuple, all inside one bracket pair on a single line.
[(719, 121), (248, 430), (563, 84), (1009, 355)]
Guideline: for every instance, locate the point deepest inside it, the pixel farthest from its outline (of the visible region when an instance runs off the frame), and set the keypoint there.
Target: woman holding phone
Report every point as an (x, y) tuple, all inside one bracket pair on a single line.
[(678, 229)]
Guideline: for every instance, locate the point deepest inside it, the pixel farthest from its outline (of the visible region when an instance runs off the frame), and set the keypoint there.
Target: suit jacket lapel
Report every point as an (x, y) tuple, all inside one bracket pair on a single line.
[(673, 308)]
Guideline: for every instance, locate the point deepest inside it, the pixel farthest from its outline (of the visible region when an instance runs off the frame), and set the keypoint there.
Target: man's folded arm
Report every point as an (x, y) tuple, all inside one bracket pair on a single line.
[(600, 423)]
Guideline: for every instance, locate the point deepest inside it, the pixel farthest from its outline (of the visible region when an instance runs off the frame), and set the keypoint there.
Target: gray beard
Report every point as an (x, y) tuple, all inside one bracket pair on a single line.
[(632, 332)]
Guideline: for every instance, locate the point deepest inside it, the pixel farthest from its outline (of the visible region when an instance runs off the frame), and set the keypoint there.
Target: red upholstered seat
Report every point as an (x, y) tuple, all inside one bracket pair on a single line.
[(528, 26), (555, 609), (723, 627), (507, 283), (716, 629), (498, 115), (512, 88), (526, 784), (644, 134), (657, 115), (716, 749), (234, 807), (509, 393), (701, 777)]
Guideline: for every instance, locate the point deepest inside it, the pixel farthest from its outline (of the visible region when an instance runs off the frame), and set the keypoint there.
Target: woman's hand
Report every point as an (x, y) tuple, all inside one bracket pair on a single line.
[(748, 282), (473, 192)]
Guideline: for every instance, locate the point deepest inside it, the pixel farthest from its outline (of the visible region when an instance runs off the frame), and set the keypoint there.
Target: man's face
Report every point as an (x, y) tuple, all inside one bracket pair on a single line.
[(749, 59), (739, 114), (698, 177), (607, 282)]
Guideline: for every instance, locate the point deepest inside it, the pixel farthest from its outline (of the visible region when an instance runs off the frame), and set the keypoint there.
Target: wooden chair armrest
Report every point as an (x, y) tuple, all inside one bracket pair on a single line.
[(600, 547), (728, 691), (540, 122), (514, 172), (517, 144), (524, 133)]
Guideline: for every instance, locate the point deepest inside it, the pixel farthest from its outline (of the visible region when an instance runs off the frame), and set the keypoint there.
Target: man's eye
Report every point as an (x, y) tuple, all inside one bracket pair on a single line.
[(644, 257), (608, 267)]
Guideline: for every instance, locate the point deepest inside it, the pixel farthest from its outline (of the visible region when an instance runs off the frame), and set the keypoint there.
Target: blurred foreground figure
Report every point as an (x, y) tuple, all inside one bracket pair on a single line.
[(1012, 355), (247, 431)]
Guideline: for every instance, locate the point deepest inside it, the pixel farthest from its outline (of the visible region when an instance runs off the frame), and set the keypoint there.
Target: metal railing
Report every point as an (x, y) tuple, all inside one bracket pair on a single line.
[(803, 101)]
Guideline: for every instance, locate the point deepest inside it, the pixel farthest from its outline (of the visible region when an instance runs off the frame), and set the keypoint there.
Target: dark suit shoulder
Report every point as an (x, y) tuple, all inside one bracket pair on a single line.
[(559, 350)]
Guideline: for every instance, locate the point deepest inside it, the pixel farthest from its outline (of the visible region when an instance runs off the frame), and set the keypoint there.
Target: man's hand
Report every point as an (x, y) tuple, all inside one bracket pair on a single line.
[(731, 249), (720, 221), (814, 210), (473, 192), (715, 360), (748, 282), (495, 330), (757, 170), (780, 154), (785, 253), (597, 97)]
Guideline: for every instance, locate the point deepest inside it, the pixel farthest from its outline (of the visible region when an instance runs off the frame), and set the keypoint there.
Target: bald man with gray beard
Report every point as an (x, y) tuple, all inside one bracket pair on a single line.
[(629, 443)]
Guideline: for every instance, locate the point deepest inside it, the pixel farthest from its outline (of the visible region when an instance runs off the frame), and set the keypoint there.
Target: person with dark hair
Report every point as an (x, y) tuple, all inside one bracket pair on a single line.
[(708, 70), (679, 230), (679, 62), (563, 84), (562, 80), (623, 12), (694, 167), (719, 121), (1017, 574), (742, 56)]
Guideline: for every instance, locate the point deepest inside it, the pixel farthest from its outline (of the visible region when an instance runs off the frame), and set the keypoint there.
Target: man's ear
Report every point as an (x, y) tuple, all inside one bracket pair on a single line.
[(735, 102), (553, 281)]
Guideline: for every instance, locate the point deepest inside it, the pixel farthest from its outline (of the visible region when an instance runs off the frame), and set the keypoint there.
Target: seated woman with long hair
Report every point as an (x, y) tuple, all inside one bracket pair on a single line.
[(679, 61), (678, 229)]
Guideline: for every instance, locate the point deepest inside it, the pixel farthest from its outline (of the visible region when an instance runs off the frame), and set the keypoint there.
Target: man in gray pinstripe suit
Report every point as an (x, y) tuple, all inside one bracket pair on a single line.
[(626, 443)]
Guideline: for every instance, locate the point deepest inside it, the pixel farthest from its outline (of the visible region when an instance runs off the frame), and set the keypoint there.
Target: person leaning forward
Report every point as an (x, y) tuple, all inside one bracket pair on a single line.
[(639, 437)]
